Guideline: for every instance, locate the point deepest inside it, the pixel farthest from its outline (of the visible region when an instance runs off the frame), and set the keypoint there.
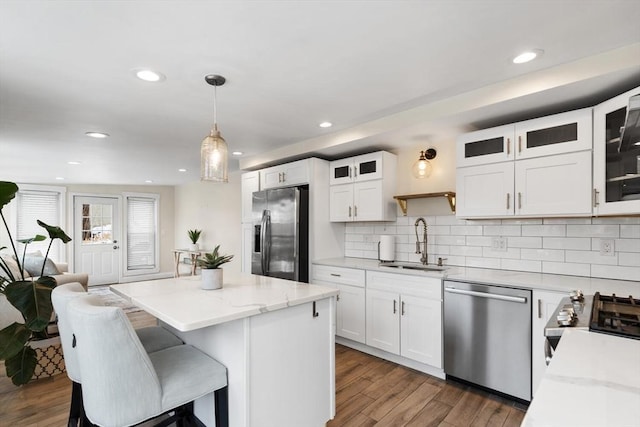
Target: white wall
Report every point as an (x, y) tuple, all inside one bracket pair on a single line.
[(216, 210)]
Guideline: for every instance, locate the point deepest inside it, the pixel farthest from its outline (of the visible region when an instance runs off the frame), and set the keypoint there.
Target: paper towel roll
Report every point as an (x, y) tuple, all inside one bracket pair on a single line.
[(387, 248)]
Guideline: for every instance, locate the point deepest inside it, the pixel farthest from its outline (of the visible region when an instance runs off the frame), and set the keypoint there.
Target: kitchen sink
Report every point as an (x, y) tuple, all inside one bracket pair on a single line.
[(412, 266)]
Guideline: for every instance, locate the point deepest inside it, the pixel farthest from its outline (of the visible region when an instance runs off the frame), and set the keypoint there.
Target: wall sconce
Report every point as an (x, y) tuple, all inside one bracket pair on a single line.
[(422, 168)]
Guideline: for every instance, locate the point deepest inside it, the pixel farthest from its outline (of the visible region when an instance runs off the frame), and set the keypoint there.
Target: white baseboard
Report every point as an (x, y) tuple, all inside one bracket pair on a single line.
[(154, 276)]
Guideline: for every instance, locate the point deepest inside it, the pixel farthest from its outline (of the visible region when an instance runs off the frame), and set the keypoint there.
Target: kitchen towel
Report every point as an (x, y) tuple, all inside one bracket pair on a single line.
[(387, 248)]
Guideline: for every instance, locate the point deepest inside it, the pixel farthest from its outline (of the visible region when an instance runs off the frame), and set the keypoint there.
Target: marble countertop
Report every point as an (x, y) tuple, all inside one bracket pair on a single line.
[(519, 279), (181, 303), (593, 380)]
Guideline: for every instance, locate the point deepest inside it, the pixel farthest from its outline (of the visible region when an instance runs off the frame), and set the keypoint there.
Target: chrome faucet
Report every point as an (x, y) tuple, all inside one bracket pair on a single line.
[(423, 252)]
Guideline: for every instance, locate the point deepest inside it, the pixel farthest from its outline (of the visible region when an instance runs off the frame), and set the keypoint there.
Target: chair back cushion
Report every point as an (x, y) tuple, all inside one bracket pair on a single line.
[(119, 383), (60, 297)]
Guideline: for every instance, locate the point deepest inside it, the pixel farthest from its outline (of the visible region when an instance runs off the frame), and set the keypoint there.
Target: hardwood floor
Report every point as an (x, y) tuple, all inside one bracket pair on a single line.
[(369, 392)]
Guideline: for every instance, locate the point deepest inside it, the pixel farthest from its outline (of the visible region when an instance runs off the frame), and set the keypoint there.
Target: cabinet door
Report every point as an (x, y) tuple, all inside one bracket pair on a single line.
[(485, 191), (616, 167), (554, 185), (247, 242), (421, 329), (367, 201), (383, 325), (341, 203), (368, 166), (272, 177), (544, 305), (295, 173), (341, 171), (560, 133), (350, 321), (250, 182), (486, 146)]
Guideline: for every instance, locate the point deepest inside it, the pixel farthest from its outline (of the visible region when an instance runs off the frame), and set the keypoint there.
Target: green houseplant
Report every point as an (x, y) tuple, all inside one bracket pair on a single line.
[(211, 271), (31, 297), (194, 235)]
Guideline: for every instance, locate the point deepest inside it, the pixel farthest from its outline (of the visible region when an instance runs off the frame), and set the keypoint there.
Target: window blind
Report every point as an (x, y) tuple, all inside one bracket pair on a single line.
[(43, 206), (141, 233)]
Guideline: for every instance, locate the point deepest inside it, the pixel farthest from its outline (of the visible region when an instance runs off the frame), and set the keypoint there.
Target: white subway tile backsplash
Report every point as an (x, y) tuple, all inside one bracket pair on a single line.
[(555, 245)]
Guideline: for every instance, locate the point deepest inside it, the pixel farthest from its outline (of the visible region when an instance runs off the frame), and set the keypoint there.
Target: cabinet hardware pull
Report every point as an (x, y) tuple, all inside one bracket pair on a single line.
[(539, 308), (315, 312), (402, 309), (519, 200), (349, 211), (508, 200), (349, 171), (395, 303), (355, 211), (335, 274), (279, 177), (338, 297), (519, 143), (596, 196), (508, 146), (284, 177), (355, 171)]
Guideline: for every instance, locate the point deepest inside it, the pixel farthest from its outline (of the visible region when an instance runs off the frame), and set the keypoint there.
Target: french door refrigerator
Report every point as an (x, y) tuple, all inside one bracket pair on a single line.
[(281, 233)]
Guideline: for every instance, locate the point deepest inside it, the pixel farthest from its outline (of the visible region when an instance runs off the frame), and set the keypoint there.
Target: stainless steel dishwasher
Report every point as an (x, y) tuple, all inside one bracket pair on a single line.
[(487, 336)]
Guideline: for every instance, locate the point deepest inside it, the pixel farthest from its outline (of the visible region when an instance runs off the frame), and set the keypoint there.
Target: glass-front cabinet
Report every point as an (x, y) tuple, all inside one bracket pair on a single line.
[(616, 155), (485, 146)]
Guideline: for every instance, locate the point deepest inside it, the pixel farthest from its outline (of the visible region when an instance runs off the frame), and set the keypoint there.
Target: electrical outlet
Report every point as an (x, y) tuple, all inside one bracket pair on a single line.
[(607, 247), (499, 244)]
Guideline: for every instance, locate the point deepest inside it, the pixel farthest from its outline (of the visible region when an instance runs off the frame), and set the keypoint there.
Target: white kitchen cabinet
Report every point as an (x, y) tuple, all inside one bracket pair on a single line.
[(486, 146), (350, 305), (556, 134), (616, 168), (247, 242), (404, 316), (360, 168), (286, 175), (544, 305), (250, 182), (485, 190), (341, 203), (557, 185)]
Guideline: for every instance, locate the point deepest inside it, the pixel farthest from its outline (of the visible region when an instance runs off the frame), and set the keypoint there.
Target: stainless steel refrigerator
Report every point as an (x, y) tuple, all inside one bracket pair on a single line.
[(281, 233)]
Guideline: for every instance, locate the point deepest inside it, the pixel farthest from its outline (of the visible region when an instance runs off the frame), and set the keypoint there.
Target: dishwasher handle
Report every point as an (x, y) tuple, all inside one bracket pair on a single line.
[(521, 300)]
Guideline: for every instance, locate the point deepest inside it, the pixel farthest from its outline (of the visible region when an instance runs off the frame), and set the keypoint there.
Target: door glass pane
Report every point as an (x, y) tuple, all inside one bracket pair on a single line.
[(367, 167), (554, 135), (484, 147), (341, 172), (96, 224), (622, 161)]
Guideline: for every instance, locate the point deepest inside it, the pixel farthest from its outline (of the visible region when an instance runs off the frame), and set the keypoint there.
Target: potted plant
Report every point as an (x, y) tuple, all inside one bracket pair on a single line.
[(211, 271), (194, 235), (31, 297)]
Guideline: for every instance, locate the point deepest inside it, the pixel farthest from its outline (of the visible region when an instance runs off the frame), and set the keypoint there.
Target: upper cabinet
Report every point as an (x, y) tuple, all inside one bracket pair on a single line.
[(362, 188), (250, 182), (534, 168), (288, 174), (616, 163)]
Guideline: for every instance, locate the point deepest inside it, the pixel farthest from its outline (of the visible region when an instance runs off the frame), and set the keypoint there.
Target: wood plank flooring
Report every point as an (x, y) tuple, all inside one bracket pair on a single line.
[(369, 392)]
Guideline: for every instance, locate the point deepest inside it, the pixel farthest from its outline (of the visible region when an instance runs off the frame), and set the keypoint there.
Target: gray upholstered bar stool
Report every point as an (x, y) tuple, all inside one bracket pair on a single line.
[(123, 385), (153, 338)]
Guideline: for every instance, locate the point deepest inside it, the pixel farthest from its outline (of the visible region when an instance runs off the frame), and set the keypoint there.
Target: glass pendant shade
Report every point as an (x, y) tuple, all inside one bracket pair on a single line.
[(213, 157), (421, 168)]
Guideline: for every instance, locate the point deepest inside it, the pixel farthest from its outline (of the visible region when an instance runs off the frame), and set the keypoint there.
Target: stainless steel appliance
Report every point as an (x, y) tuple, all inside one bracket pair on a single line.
[(487, 336), (281, 230)]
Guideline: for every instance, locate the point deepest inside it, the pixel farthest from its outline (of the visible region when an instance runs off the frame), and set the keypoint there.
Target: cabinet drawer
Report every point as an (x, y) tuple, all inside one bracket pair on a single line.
[(427, 287), (340, 275)]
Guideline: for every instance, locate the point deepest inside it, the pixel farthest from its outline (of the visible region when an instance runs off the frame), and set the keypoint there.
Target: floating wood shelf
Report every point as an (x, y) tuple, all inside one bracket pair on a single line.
[(450, 195)]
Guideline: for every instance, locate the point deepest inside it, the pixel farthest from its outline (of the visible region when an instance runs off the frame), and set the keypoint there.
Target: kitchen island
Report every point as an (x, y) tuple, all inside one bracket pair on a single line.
[(276, 338), (593, 380)]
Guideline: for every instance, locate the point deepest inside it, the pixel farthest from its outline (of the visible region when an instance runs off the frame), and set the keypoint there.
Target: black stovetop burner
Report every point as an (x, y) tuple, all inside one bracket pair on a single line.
[(615, 315)]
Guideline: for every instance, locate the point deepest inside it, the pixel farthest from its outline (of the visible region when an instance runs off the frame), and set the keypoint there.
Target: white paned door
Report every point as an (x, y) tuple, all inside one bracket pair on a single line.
[(97, 238)]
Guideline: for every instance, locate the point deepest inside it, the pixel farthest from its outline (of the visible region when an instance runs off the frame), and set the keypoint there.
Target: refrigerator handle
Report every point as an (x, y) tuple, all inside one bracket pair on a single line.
[(263, 241)]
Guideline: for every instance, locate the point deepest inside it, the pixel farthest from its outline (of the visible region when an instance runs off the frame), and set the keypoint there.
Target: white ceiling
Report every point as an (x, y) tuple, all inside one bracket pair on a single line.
[(386, 73)]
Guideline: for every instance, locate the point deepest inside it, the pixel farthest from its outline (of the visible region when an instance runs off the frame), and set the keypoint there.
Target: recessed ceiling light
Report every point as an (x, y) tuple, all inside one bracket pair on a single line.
[(637, 143), (148, 181), (149, 75), (237, 153), (527, 56), (325, 124), (182, 170), (59, 178), (73, 162), (97, 134)]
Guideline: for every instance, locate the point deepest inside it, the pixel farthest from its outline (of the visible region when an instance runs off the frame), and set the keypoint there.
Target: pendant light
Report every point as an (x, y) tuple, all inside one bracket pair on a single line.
[(213, 151), (422, 167)]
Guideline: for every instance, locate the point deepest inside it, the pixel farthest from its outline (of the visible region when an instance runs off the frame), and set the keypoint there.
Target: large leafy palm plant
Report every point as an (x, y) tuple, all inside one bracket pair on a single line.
[(32, 297)]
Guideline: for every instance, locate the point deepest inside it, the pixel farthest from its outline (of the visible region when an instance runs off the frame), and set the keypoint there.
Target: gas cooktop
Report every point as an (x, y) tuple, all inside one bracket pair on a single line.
[(615, 315)]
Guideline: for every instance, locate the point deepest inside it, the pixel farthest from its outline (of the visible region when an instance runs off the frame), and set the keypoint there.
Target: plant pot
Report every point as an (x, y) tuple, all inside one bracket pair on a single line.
[(211, 278), (50, 358), (194, 247)]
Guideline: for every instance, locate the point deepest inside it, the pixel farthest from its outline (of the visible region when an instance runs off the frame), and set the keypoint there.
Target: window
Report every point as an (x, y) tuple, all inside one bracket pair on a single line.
[(47, 205), (142, 233)]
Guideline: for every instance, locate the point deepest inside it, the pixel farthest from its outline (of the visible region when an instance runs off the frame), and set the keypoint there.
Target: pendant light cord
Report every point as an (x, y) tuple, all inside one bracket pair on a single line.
[(215, 107)]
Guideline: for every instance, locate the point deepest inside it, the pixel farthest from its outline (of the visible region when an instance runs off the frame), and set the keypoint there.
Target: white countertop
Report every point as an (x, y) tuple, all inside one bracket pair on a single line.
[(519, 279), (181, 303), (593, 380)]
